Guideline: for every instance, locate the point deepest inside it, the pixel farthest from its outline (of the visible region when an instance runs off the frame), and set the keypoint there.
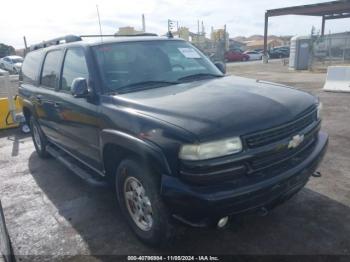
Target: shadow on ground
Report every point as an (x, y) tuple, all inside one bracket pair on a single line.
[(15, 137), (309, 223)]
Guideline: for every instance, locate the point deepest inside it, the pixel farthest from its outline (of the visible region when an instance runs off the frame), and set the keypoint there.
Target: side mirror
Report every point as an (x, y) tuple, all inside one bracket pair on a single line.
[(221, 66), (79, 87)]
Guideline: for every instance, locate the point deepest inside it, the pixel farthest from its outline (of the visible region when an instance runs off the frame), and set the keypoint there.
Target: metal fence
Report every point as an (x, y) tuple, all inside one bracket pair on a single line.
[(331, 50)]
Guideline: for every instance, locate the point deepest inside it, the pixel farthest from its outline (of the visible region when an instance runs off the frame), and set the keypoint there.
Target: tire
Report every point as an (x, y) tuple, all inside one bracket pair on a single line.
[(15, 71), (156, 228), (39, 139)]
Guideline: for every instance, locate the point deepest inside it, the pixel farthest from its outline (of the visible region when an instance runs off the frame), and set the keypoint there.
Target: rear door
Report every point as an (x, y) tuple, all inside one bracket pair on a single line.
[(46, 95), (78, 117)]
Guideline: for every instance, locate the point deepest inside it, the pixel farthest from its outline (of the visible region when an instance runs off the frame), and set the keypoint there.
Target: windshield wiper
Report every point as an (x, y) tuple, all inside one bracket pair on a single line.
[(198, 76), (138, 86)]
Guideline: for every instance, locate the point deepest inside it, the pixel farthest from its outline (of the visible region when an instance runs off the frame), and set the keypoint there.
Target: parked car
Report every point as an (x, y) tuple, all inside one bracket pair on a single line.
[(11, 63), (178, 140), (253, 55), (259, 50), (278, 53), (232, 55)]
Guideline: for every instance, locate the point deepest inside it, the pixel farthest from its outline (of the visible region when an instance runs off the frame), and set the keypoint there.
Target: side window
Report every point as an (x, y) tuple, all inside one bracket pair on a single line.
[(51, 69), (31, 66), (74, 66)]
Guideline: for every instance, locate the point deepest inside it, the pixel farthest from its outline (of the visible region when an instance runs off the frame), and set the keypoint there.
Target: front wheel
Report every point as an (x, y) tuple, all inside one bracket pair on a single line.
[(140, 202), (39, 139)]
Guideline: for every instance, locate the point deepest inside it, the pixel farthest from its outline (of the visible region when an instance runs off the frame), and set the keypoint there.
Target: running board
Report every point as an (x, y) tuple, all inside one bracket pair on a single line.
[(75, 167)]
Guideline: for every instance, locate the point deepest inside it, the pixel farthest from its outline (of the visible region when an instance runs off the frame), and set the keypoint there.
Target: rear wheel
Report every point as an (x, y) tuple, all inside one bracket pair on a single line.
[(139, 199), (39, 139)]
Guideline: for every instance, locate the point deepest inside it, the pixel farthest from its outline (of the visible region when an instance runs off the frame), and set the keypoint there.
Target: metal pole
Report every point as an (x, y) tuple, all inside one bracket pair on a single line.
[(25, 45), (225, 38), (323, 25), (197, 32), (265, 38)]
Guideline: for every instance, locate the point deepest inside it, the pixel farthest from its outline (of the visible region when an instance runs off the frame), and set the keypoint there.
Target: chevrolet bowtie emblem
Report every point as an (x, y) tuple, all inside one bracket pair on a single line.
[(296, 141)]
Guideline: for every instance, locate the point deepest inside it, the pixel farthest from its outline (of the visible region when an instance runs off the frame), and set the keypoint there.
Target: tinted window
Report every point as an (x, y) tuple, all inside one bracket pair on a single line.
[(123, 64), (31, 66), (74, 66), (51, 69)]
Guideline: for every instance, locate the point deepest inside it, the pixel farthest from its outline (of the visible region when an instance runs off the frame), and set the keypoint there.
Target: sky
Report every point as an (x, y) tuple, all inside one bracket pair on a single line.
[(44, 19)]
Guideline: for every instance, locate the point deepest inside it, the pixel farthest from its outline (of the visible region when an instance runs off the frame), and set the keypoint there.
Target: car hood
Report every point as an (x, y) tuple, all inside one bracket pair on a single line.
[(223, 107)]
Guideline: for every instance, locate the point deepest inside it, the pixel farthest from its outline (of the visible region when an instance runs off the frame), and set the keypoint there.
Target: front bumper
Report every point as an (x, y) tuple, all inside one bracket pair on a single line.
[(200, 205)]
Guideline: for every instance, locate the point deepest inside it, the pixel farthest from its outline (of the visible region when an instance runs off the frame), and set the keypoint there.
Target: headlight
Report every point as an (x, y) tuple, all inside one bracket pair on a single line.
[(319, 110), (211, 149)]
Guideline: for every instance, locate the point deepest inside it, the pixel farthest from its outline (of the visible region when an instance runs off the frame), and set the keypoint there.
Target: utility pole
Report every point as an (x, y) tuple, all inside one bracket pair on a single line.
[(25, 45), (143, 23), (197, 31), (225, 38)]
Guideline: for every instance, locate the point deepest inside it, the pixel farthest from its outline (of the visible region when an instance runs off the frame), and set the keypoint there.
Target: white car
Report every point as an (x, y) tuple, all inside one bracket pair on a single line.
[(254, 55), (12, 63)]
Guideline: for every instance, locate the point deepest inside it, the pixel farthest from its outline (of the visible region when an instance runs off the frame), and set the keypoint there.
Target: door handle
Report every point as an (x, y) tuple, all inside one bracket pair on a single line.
[(56, 105)]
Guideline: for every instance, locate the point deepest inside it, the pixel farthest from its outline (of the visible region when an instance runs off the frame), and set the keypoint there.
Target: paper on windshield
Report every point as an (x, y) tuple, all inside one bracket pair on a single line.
[(189, 52)]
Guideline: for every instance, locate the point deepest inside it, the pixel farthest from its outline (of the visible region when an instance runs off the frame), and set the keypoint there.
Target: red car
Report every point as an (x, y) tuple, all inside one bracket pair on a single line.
[(231, 56)]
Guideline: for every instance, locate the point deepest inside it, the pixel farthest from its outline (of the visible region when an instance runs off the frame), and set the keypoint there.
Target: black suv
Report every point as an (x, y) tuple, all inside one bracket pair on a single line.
[(177, 139)]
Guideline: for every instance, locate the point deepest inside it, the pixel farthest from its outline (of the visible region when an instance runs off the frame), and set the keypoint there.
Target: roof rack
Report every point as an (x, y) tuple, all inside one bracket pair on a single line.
[(55, 41), (75, 38), (118, 35)]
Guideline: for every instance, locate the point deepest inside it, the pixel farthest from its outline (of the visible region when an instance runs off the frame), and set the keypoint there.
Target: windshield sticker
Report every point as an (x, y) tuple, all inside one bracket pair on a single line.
[(189, 52)]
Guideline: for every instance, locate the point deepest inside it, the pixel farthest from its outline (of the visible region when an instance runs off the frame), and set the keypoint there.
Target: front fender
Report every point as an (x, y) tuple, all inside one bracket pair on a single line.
[(145, 149)]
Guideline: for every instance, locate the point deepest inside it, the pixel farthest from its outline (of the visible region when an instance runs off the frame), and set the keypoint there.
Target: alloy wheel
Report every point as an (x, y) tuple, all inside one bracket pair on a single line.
[(138, 203)]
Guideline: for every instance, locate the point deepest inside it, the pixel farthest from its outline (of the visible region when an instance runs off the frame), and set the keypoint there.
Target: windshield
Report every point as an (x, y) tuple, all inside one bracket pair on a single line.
[(17, 60), (167, 62)]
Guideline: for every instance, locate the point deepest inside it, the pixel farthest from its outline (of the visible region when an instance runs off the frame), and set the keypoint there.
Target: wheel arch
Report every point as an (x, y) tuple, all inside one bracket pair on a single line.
[(117, 146)]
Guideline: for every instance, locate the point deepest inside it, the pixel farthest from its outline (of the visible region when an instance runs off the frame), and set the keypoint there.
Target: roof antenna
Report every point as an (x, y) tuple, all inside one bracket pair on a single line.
[(99, 22)]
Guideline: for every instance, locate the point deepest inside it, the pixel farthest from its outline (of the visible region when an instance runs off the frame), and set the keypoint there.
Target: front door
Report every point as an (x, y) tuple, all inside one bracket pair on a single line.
[(78, 117)]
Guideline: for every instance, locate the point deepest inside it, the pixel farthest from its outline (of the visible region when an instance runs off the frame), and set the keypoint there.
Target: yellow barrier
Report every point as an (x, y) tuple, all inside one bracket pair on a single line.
[(6, 120)]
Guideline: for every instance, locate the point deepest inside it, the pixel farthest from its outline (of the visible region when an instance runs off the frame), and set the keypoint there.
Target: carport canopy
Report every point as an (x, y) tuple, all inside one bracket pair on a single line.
[(327, 10)]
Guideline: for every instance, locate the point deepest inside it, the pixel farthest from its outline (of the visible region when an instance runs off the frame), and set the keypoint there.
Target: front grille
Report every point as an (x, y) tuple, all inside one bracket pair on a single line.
[(272, 135), (285, 157)]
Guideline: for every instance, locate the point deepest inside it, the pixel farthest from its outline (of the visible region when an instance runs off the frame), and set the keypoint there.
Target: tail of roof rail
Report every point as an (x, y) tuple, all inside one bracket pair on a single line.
[(75, 38), (55, 41), (121, 35)]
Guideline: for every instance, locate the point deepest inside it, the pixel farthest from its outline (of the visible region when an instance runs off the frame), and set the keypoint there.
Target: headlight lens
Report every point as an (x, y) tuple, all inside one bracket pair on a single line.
[(319, 110), (211, 149)]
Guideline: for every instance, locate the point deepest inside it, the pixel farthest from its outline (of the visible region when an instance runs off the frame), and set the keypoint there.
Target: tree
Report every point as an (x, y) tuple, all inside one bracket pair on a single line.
[(6, 50)]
